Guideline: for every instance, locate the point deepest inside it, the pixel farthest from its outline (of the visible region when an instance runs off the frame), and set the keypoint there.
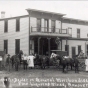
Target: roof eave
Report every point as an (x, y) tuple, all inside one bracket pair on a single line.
[(47, 12)]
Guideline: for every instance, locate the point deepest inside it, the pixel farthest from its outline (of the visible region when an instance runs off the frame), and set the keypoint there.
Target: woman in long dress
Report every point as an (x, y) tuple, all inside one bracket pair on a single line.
[(31, 61)]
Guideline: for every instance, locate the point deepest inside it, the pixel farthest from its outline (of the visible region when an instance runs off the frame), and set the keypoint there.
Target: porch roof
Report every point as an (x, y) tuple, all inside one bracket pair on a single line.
[(47, 12), (50, 35)]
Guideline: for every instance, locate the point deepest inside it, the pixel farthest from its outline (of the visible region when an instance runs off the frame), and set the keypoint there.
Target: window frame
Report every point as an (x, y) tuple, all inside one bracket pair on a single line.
[(53, 26), (39, 27), (17, 25), (78, 32), (5, 26), (6, 46)]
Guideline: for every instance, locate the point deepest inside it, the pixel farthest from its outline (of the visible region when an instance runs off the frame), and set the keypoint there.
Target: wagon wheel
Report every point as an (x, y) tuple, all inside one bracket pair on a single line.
[(56, 63), (82, 64)]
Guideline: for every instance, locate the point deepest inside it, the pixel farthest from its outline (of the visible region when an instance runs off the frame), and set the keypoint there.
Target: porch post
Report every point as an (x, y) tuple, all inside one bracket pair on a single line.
[(39, 44), (86, 48), (66, 46), (49, 45)]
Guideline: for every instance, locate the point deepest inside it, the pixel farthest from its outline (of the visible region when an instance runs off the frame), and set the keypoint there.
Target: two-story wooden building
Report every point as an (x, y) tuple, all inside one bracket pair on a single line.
[(39, 32)]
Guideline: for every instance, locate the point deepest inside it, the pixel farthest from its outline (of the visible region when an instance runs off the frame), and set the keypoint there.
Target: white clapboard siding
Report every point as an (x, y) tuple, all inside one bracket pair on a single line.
[(1, 35), (33, 23), (73, 43), (83, 29), (24, 34), (11, 35)]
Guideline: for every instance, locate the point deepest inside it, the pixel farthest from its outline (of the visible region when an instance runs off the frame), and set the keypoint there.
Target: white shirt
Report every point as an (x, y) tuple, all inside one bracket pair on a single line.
[(24, 57), (53, 55)]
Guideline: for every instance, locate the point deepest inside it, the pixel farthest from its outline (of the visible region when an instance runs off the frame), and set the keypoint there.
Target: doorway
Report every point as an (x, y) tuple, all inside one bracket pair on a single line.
[(73, 52), (44, 46)]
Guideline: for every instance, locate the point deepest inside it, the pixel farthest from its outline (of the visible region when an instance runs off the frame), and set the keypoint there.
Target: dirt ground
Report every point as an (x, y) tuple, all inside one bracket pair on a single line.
[(48, 78)]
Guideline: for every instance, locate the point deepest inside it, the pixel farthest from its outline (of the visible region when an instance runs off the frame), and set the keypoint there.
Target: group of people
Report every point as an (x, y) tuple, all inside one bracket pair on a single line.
[(28, 61), (17, 60)]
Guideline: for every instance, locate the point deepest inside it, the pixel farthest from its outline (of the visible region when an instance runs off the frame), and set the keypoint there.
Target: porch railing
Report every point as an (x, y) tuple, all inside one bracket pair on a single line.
[(50, 30)]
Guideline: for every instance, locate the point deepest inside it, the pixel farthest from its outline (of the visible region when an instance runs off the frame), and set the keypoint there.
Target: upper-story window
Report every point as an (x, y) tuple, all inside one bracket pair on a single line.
[(52, 25), (69, 30), (5, 26), (78, 33), (46, 25), (17, 25), (38, 24)]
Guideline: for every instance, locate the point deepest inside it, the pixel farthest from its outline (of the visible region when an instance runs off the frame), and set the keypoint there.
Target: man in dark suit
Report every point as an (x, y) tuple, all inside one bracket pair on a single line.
[(17, 61), (76, 63), (25, 64), (8, 62)]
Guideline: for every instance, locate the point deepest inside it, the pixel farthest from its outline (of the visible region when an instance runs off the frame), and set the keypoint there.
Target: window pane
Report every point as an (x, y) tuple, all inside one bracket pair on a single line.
[(38, 24), (78, 33), (17, 25), (6, 26)]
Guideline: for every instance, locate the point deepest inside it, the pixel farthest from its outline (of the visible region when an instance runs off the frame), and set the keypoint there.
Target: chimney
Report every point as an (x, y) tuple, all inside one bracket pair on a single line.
[(2, 14)]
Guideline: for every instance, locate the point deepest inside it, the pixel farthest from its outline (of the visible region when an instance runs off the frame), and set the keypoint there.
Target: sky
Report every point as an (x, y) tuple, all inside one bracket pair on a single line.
[(72, 9)]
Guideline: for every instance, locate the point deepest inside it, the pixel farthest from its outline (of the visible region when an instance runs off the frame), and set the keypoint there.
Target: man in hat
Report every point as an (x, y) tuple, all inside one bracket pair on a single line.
[(17, 62), (8, 61), (76, 63)]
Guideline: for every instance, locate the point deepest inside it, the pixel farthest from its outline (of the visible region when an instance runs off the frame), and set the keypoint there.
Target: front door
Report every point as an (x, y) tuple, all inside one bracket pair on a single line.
[(73, 51), (43, 46)]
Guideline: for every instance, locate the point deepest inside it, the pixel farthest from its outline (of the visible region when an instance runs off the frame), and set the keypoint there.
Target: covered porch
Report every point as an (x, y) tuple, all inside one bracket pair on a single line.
[(43, 45)]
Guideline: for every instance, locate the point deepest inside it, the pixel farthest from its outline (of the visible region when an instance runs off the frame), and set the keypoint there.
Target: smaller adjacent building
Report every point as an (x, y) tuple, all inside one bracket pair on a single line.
[(42, 31)]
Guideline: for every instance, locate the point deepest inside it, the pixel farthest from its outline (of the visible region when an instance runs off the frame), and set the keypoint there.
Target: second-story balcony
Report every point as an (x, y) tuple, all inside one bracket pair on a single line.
[(44, 31)]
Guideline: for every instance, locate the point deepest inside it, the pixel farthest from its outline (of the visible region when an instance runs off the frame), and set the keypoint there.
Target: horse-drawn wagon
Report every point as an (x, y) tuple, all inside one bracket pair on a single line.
[(60, 52), (82, 63)]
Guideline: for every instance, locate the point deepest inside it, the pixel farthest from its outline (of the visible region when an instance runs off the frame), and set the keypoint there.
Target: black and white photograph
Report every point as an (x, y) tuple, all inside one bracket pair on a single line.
[(43, 44)]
